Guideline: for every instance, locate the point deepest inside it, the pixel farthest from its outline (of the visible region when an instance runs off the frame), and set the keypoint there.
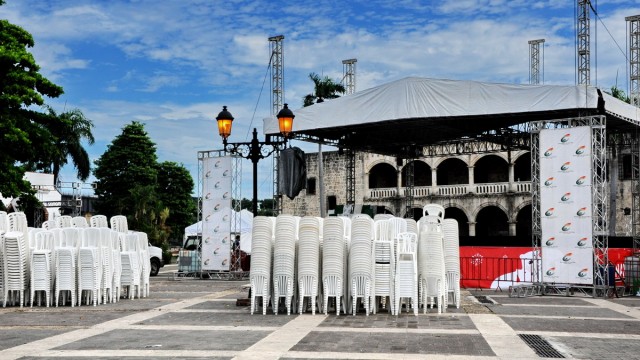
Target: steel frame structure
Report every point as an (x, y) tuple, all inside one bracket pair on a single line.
[(349, 75), (600, 195), (634, 59), (583, 41), (534, 61), (236, 186), (277, 100)]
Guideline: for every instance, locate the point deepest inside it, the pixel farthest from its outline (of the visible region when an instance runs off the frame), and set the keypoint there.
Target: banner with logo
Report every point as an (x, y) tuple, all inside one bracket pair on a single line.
[(565, 205), (216, 213)]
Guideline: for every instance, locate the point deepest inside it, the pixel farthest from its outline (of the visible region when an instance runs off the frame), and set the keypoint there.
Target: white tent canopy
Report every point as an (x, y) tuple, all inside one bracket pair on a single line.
[(423, 111)]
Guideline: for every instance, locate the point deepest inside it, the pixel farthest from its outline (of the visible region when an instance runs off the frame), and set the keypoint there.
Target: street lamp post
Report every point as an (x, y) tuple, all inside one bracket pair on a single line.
[(255, 149)]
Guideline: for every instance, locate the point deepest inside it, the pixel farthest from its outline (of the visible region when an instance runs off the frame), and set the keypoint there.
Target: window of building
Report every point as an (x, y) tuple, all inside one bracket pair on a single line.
[(331, 202), (311, 186)]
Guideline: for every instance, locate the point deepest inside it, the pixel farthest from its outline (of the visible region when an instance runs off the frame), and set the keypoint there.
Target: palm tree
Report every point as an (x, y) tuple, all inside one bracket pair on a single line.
[(324, 88), (69, 130)]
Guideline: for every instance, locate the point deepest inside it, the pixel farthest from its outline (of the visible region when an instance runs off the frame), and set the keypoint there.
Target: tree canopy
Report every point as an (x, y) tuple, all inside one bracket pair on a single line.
[(25, 135), (324, 88), (174, 189)]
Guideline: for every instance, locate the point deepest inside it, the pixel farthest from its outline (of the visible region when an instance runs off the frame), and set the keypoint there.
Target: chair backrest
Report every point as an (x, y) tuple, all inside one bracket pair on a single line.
[(433, 210), (44, 240), (91, 237), (64, 221), (79, 222), (4, 222), (396, 225), (18, 222), (119, 223), (99, 221), (71, 237), (49, 224), (407, 243)]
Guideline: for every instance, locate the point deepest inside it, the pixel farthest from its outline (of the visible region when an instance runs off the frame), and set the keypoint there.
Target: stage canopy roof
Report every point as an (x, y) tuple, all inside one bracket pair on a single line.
[(420, 111)]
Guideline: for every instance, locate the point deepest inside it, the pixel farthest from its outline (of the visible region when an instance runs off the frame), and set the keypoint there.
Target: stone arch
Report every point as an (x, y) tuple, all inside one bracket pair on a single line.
[(453, 171), (460, 214), (492, 219), (524, 225), (440, 160), (373, 163), (491, 168), (383, 175), (422, 174), (479, 157), (522, 167)]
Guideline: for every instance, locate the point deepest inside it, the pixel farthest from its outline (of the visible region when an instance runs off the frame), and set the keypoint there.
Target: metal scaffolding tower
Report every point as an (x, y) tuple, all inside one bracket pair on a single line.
[(277, 101), (634, 59), (351, 177), (534, 61), (349, 75), (583, 41)]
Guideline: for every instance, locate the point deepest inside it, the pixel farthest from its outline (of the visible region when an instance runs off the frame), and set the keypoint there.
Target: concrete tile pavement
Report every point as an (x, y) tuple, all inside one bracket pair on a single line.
[(200, 319)]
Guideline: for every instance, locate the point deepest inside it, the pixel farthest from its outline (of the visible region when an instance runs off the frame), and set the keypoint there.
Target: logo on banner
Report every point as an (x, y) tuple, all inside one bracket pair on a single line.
[(207, 240), (549, 152), (217, 185), (549, 212), (565, 139), (217, 164), (583, 273), (208, 174), (550, 241), (567, 258), (225, 173), (566, 227), (208, 196), (225, 195), (551, 272), (582, 242), (580, 150), (566, 197), (566, 166), (581, 180), (549, 182), (581, 211)]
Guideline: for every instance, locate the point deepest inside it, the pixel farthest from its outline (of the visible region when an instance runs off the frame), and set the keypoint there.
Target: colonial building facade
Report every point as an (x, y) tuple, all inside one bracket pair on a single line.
[(488, 194)]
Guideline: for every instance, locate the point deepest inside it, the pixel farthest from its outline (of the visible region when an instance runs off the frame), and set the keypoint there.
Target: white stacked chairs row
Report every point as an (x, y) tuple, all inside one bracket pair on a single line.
[(337, 261), (72, 263)]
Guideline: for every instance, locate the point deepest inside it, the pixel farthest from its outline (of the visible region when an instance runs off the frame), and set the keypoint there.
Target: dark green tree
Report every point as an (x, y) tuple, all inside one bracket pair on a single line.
[(126, 170), (24, 133), (174, 190), (618, 93), (323, 88)]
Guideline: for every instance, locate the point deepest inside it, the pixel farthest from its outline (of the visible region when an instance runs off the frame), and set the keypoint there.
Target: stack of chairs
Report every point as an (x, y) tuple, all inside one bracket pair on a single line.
[(90, 266), (431, 258), (66, 243), (452, 258), (119, 223), (384, 258), (130, 262), (42, 266), (261, 259), (15, 253), (361, 262), (145, 262), (107, 265), (115, 261), (309, 261), (334, 260), (284, 257), (4, 227), (407, 271), (412, 226)]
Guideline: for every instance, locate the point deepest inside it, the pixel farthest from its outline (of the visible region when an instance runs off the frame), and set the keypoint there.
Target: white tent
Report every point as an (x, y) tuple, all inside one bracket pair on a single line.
[(246, 224)]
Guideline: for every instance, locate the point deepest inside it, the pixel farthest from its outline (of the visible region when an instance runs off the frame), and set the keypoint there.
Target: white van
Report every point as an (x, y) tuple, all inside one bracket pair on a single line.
[(155, 257)]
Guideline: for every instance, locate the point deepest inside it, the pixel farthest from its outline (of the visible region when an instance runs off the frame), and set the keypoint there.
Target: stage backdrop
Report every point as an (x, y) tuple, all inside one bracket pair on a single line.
[(216, 213), (565, 205)]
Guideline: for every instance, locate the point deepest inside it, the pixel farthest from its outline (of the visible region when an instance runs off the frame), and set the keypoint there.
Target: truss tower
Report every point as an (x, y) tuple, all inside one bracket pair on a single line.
[(534, 61)]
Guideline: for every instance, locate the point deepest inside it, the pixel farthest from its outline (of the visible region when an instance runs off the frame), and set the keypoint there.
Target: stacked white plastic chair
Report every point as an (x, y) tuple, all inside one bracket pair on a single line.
[(79, 222), (116, 261), (261, 258), (284, 256), (145, 262), (308, 261), (4, 227), (16, 272), (107, 265), (49, 224), (99, 221), (334, 261), (431, 258), (4, 222), (66, 242), (64, 221), (119, 223), (361, 262), (130, 275), (412, 226), (42, 266), (452, 258), (407, 271), (384, 258), (90, 266)]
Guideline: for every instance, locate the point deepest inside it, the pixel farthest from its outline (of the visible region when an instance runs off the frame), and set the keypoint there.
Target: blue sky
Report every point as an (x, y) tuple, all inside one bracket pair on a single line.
[(173, 64)]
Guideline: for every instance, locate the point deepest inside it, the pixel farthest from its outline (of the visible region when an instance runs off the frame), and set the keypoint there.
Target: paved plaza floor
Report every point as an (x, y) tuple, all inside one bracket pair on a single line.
[(199, 319)]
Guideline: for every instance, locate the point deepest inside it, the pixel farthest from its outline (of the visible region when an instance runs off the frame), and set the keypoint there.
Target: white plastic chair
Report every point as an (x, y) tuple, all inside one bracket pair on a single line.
[(261, 259), (431, 263), (308, 262), (145, 262), (4, 222), (361, 262), (334, 263), (15, 265), (64, 221), (384, 258), (49, 224), (284, 256), (42, 266), (66, 242), (79, 222), (451, 241), (406, 271), (130, 275), (119, 223), (90, 266), (99, 221)]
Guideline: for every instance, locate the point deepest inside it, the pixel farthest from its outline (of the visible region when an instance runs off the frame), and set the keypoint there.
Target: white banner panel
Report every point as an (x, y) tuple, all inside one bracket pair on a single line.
[(216, 213), (565, 205)]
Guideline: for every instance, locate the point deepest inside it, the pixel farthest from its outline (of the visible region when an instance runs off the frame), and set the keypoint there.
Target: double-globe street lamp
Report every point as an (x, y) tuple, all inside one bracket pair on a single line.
[(255, 150)]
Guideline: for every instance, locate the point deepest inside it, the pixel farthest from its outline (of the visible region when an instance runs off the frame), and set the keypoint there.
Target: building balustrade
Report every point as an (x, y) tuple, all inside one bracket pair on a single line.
[(453, 190)]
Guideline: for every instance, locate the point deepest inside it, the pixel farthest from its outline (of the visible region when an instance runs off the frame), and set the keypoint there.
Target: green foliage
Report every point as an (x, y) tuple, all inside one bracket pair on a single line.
[(25, 136), (324, 88), (619, 94), (128, 165), (174, 189), (244, 204)]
